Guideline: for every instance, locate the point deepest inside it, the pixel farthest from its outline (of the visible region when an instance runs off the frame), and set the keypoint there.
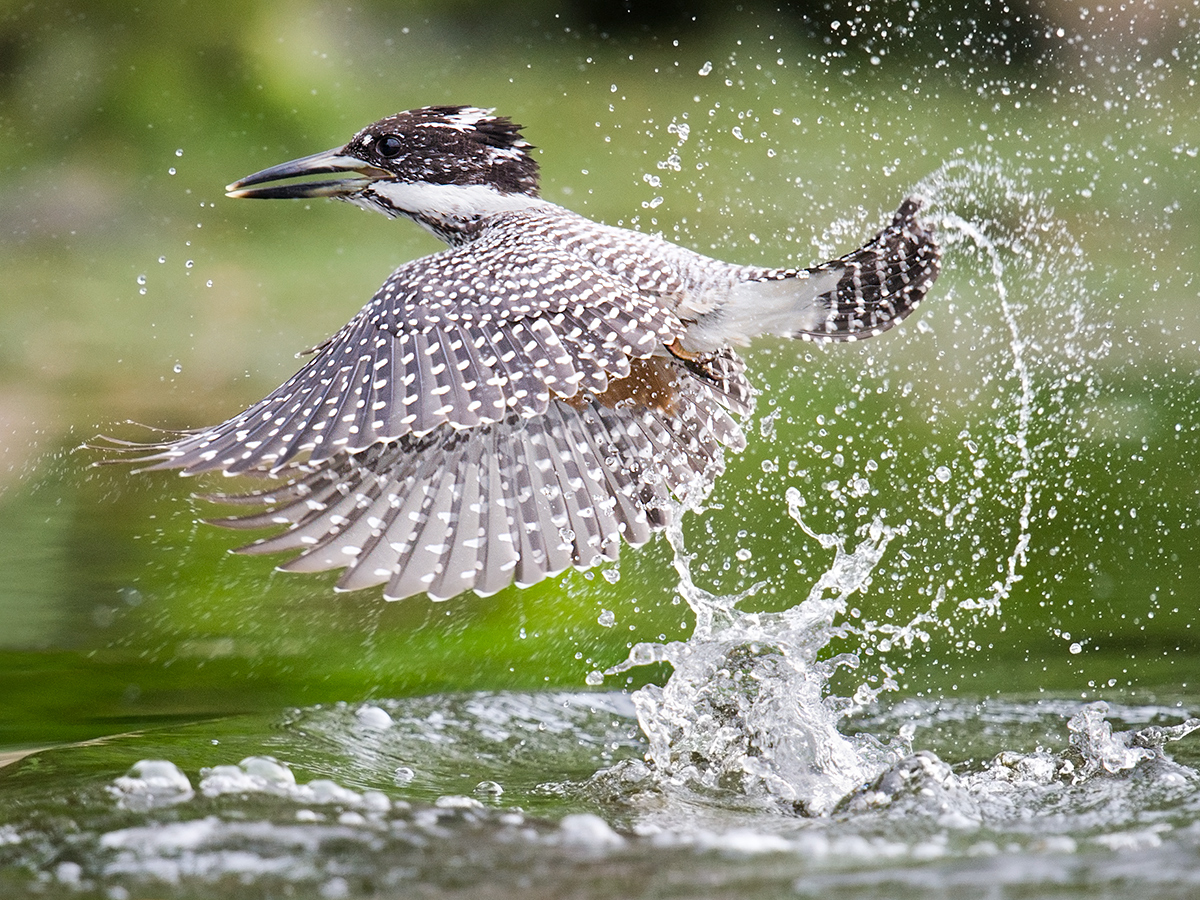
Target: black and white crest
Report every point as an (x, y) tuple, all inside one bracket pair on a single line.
[(462, 145)]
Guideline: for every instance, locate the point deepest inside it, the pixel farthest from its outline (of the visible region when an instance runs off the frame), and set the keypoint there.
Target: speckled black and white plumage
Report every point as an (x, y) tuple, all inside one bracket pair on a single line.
[(518, 499), (527, 399)]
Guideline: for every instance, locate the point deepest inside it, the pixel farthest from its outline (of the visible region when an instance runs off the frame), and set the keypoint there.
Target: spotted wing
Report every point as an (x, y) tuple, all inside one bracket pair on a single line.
[(466, 337), (515, 500)]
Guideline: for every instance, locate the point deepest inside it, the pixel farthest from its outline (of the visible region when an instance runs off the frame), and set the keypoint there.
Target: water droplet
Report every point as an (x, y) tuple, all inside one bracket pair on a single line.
[(607, 618), (594, 678), (161, 260), (188, 264), (942, 474), (1075, 648), (141, 279), (179, 152), (171, 171), (705, 69), (403, 775), (489, 788), (612, 576), (177, 368)]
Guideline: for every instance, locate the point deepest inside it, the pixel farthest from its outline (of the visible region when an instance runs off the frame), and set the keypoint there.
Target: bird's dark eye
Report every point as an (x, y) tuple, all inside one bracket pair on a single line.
[(389, 146)]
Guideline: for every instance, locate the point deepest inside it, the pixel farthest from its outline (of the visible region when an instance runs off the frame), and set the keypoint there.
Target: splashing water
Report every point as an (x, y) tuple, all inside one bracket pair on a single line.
[(749, 706), (745, 706)]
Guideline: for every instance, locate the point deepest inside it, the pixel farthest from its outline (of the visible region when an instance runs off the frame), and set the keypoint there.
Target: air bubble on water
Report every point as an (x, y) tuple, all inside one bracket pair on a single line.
[(373, 717), (489, 789)]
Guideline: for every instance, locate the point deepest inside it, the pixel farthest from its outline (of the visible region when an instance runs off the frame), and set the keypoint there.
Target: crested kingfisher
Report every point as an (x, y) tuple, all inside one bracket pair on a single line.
[(533, 395)]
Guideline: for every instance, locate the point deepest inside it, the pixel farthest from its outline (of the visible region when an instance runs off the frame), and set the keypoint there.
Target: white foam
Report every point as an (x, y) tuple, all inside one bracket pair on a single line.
[(588, 831), (152, 783)]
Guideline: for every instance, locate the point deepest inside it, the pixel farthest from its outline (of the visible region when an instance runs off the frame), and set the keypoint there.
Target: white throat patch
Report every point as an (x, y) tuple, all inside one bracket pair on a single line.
[(451, 202)]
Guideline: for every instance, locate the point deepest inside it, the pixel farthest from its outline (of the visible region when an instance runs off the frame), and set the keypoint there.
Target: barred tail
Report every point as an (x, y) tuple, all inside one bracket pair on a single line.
[(856, 296)]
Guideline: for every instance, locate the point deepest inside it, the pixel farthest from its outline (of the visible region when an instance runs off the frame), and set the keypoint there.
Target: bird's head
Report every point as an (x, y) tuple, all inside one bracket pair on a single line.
[(438, 165)]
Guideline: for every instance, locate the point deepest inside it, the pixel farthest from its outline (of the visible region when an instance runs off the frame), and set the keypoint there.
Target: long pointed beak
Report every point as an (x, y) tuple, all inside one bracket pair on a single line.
[(357, 175)]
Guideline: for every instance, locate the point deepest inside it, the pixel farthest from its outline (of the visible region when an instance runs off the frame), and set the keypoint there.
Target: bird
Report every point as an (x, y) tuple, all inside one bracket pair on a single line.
[(538, 393)]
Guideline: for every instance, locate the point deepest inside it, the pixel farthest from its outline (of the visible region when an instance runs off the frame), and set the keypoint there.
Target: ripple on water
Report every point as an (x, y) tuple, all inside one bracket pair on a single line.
[(1081, 813)]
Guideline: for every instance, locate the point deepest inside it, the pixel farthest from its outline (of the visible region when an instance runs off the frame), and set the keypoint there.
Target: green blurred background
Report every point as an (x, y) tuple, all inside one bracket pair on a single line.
[(133, 290)]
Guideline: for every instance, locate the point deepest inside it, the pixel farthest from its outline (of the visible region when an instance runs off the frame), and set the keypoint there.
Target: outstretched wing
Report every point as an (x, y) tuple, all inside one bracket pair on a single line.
[(519, 499), (467, 337)]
